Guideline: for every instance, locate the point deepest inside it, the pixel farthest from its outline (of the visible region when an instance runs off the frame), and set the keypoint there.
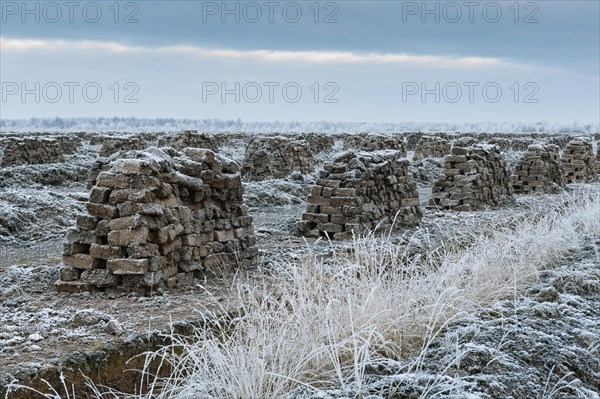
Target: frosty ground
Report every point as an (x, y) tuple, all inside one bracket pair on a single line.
[(540, 341)]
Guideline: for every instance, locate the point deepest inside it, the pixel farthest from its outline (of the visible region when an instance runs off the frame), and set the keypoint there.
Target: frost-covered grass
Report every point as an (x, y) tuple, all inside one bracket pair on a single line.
[(324, 323)]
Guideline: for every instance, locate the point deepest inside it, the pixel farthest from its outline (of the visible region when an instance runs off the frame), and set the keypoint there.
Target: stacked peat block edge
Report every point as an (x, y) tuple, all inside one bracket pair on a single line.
[(465, 141), (111, 149), (521, 144), (561, 141), (69, 143), (374, 142), (502, 143), (156, 219), (473, 177), (411, 141), (431, 147), (359, 191), (114, 145), (277, 158), (540, 170), (578, 161), (190, 138), (318, 143), (30, 151)]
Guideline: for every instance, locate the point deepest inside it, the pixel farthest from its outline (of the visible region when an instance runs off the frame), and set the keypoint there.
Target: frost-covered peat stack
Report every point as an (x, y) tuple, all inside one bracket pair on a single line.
[(411, 140), (190, 138), (521, 144), (319, 143), (465, 141), (473, 177), (431, 147), (276, 158), (156, 218), (37, 150), (374, 142), (357, 191), (502, 143), (539, 170), (116, 144), (578, 161)]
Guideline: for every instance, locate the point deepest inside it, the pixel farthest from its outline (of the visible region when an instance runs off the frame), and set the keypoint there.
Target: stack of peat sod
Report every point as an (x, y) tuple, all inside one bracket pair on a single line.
[(521, 144), (502, 143), (431, 147), (116, 144), (319, 143), (374, 142), (33, 150), (561, 140), (358, 191), (276, 158), (473, 177), (578, 161), (155, 220), (540, 170), (411, 141), (465, 141), (190, 138), (69, 143)]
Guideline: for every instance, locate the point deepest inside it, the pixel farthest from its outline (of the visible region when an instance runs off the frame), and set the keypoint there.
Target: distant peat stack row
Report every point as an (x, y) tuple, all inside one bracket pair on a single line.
[(276, 158), (358, 191), (155, 219), (473, 177), (578, 161), (37, 150), (540, 170)]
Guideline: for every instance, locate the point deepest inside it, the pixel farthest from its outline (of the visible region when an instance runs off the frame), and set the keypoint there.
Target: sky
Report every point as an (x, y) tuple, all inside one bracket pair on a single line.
[(357, 61)]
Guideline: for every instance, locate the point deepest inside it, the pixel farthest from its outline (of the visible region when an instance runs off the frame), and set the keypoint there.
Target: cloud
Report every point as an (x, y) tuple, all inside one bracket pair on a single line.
[(38, 46)]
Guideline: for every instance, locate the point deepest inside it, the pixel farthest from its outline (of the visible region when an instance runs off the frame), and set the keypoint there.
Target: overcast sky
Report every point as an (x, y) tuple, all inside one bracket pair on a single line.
[(276, 60)]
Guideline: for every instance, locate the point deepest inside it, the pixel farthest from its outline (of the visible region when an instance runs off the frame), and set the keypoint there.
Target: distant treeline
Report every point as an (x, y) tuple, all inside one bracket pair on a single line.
[(118, 124)]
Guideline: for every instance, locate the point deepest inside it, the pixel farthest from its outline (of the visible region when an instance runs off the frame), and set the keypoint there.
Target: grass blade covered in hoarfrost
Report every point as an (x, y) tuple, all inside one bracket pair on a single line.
[(323, 323)]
